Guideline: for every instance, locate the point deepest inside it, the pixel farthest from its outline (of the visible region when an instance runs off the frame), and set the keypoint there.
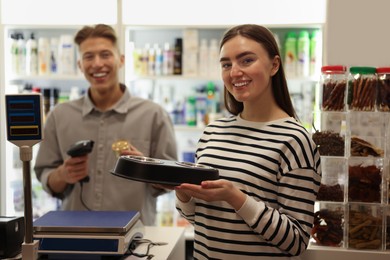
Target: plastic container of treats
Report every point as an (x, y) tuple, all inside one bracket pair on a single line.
[(333, 84), (383, 89), (362, 82)]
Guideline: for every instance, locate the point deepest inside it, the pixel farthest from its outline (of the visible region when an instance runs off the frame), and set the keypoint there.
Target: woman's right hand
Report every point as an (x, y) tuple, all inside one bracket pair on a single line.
[(181, 195)]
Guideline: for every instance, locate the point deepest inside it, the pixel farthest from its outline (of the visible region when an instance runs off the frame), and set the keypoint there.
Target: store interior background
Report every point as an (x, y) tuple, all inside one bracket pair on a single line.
[(355, 33)]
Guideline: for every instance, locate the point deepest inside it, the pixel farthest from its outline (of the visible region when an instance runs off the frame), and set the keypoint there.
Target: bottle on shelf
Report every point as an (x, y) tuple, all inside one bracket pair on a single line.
[(290, 54), (168, 54), (14, 54), (53, 55), (213, 63), (21, 54), (315, 53), (190, 111), (203, 58), (178, 57), (152, 61), (158, 60), (32, 56), (144, 66), (303, 52), (43, 56), (66, 55)]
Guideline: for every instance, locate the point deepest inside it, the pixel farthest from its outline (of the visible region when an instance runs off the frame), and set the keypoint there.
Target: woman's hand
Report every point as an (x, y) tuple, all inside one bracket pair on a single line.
[(219, 190)]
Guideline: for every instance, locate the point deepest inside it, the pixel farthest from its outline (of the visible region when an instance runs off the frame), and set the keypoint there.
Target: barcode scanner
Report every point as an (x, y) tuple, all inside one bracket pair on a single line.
[(81, 148)]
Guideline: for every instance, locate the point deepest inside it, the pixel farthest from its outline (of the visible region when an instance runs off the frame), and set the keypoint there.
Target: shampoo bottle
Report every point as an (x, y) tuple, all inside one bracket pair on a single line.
[(303, 66), (203, 58), (32, 56), (290, 55), (43, 55)]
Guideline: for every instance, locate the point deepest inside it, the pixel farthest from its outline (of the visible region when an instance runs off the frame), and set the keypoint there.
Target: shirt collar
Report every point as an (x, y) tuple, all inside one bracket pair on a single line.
[(121, 107)]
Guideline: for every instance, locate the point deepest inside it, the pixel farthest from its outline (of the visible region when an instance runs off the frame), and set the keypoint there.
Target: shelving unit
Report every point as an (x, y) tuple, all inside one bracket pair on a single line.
[(352, 208)]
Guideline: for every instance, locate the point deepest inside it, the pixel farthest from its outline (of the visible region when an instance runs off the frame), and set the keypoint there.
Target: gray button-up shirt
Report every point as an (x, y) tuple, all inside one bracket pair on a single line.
[(143, 123)]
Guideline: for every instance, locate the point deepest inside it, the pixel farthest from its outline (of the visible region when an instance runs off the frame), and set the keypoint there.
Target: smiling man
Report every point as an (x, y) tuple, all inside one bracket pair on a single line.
[(106, 114)]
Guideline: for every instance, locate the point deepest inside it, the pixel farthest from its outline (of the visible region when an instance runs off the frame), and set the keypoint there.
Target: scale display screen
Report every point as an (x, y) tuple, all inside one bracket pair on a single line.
[(24, 117)]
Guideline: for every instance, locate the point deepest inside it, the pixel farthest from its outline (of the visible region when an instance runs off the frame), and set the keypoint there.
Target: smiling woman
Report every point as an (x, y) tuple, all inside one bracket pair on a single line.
[(262, 205)]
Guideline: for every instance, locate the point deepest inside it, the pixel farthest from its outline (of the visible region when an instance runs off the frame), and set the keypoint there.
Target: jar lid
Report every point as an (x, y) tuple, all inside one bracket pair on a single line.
[(383, 70), (362, 70), (334, 69)]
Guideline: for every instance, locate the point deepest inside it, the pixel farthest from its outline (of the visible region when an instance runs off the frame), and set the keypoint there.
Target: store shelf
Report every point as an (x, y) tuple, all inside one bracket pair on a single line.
[(49, 77)]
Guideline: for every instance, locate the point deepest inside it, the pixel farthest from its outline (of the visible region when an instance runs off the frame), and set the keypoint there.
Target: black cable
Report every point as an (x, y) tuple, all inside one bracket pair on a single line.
[(81, 197), (136, 242)]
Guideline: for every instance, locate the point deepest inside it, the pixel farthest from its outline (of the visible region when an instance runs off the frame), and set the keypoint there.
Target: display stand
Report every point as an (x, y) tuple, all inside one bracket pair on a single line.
[(24, 129), (29, 247)]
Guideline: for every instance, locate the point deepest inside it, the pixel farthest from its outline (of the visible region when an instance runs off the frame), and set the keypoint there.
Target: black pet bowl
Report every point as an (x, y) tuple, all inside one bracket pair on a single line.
[(145, 169)]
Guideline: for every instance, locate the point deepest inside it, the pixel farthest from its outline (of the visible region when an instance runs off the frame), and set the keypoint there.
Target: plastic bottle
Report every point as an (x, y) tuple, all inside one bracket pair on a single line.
[(190, 111), (53, 55), (203, 58), (152, 61), (315, 53), (290, 54), (211, 100), (303, 66), (14, 54), (333, 84), (178, 57), (66, 54), (201, 109), (43, 55), (167, 59), (145, 60), (31, 56), (213, 64), (159, 60), (21, 54)]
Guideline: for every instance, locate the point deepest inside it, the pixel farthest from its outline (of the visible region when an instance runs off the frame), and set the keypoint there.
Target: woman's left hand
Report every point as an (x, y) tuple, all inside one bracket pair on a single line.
[(219, 190)]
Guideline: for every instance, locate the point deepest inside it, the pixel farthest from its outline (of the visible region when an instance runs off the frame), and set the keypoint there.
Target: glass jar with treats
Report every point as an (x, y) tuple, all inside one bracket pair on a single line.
[(333, 84), (383, 90), (362, 84)]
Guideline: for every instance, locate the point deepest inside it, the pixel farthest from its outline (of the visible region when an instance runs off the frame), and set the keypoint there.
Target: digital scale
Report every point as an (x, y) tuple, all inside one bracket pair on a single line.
[(87, 232)]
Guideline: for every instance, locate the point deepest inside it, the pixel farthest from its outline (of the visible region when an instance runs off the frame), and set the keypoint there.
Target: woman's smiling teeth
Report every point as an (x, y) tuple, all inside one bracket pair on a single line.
[(241, 84)]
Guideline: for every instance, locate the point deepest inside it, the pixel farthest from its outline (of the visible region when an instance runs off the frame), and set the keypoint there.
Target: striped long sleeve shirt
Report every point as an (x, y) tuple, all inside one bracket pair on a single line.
[(277, 165)]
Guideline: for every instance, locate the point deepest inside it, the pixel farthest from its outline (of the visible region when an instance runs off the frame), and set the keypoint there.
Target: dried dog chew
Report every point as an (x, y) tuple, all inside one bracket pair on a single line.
[(329, 143), (364, 231), (330, 193), (363, 94), (360, 147), (383, 95), (328, 227), (333, 96), (364, 183)]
